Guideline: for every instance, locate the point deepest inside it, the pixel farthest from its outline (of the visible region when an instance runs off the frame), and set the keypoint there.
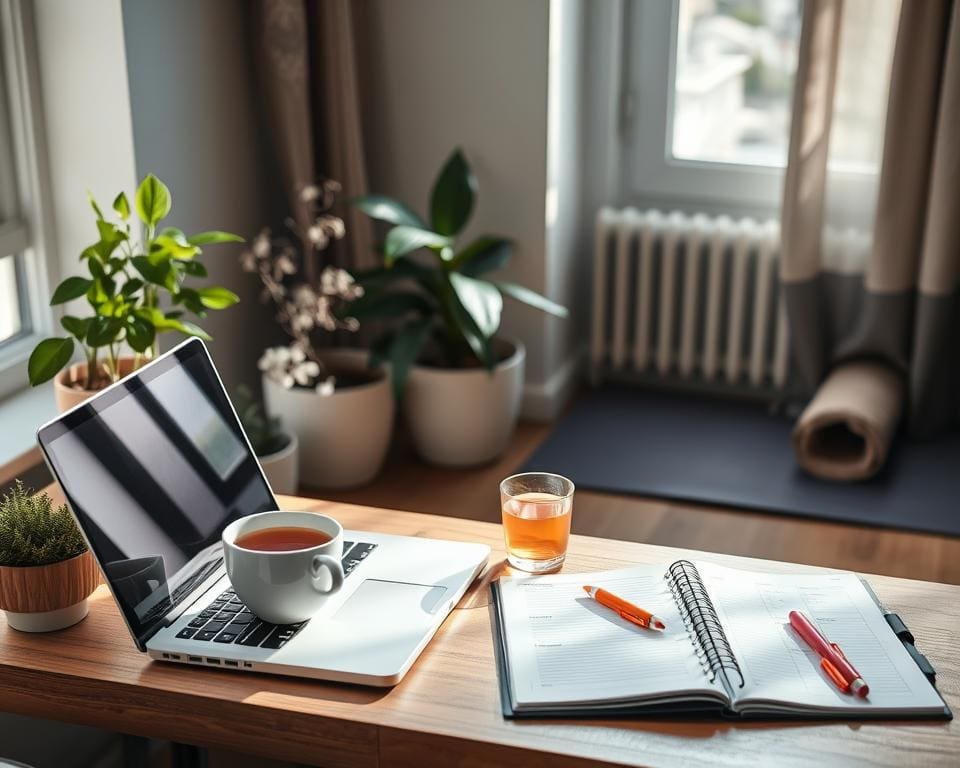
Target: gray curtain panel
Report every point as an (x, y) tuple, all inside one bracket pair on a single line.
[(900, 314), (306, 61)]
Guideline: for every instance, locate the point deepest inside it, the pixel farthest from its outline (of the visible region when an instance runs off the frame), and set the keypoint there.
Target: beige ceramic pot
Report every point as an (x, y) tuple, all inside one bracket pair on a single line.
[(42, 598), (461, 417), (282, 467), (67, 385)]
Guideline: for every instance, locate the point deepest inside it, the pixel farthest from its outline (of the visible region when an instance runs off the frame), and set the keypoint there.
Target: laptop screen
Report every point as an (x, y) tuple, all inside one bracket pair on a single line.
[(154, 469)]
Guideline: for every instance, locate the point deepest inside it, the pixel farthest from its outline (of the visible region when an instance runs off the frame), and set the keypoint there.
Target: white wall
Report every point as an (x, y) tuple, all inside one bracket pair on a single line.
[(195, 125), (437, 74)]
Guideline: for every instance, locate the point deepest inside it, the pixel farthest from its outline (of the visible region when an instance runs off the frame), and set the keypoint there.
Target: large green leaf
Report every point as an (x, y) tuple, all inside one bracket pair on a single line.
[(217, 297), (47, 358), (454, 191), (402, 269), (103, 331), (387, 209), (481, 300), (404, 350), (168, 247), (157, 274), (153, 200), (212, 237), (462, 324), (170, 322), (76, 326), (122, 206), (140, 333), (485, 254), (70, 289), (402, 239), (532, 298)]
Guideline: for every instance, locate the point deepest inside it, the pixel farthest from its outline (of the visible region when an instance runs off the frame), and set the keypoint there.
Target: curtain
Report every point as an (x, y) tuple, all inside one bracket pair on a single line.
[(306, 63), (876, 340)]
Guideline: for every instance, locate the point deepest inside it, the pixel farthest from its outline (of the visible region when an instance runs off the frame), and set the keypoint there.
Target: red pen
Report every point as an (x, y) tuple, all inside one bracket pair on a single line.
[(832, 661)]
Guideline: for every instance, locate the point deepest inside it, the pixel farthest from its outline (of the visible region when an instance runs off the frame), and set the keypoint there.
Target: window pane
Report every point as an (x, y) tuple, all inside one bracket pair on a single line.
[(736, 61), (9, 303)]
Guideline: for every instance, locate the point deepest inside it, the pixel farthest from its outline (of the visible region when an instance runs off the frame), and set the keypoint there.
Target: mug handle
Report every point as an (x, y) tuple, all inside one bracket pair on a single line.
[(331, 564)]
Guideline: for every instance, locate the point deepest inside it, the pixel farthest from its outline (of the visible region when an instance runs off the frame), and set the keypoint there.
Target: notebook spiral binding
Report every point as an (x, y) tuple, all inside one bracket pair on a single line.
[(701, 619)]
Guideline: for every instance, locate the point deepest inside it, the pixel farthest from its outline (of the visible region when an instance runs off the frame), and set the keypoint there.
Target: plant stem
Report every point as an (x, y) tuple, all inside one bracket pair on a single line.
[(91, 354)]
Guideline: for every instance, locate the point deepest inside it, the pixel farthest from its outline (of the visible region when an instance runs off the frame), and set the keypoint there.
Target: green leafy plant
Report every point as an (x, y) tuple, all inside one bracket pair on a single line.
[(265, 433), (33, 532), (125, 281), (447, 300)]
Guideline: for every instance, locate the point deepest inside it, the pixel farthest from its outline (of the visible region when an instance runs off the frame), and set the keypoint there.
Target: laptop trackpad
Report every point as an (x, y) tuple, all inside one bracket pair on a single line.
[(395, 601)]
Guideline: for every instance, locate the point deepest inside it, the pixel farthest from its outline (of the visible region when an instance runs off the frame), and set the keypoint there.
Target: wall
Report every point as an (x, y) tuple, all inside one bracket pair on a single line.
[(86, 105), (437, 74), (195, 126)]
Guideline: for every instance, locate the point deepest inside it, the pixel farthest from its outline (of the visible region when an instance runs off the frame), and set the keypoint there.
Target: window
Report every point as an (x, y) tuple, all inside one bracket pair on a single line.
[(24, 312), (706, 101)]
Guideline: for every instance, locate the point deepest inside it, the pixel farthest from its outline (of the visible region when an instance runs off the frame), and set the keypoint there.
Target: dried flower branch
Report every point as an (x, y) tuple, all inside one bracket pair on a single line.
[(303, 309)]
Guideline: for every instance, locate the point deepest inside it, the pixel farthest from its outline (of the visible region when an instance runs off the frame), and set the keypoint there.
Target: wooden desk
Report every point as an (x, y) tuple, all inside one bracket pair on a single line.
[(446, 711)]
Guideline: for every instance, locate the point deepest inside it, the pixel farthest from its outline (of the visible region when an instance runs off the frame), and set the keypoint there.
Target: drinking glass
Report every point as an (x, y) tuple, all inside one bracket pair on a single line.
[(536, 508)]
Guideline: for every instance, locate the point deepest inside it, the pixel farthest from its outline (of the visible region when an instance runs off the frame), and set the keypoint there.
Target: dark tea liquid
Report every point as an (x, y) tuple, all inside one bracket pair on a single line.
[(282, 539)]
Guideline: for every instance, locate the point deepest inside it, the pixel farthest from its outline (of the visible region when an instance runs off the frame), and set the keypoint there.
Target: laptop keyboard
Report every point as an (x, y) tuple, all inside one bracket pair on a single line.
[(228, 620)]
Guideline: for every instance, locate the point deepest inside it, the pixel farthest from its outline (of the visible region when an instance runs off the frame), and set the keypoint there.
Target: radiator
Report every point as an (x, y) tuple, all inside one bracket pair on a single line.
[(692, 300)]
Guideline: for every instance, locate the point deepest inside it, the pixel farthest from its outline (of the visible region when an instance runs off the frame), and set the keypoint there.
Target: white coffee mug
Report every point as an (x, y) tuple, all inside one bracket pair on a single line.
[(284, 587)]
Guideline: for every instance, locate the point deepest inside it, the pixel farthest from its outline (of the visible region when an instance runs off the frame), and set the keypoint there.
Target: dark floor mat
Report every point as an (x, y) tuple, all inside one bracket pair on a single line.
[(634, 441)]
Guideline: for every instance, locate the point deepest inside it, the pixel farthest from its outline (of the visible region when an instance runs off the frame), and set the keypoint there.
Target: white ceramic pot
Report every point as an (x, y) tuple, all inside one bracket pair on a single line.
[(344, 436), (282, 467), (464, 417)]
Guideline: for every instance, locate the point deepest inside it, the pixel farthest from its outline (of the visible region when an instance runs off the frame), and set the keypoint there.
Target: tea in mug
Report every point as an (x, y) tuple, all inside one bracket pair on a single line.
[(282, 539)]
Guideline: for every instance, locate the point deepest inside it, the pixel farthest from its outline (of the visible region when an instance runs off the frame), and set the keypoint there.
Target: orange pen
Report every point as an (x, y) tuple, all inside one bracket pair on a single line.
[(629, 611)]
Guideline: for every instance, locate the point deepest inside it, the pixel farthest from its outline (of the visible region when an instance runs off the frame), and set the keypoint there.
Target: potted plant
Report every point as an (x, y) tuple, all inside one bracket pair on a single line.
[(125, 282), (340, 409), (46, 571), (460, 383), (276, 449)]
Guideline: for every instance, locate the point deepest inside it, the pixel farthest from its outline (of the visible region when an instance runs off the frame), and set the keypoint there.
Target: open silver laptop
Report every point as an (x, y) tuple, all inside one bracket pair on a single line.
[(155, 466)]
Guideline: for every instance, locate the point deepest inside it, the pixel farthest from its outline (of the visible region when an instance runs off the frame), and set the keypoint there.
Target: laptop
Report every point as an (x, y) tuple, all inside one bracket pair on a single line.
[(155, 466)]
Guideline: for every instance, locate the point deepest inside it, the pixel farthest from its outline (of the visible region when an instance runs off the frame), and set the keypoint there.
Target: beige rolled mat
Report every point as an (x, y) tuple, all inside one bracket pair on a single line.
[(846, 430)]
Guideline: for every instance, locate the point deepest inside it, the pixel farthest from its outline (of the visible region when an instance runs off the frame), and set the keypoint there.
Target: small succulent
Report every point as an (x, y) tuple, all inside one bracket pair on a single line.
[(33, 532), (264, 432)]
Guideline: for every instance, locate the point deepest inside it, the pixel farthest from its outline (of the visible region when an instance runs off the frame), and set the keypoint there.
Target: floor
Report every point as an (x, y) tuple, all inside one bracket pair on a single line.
[(407, 483)]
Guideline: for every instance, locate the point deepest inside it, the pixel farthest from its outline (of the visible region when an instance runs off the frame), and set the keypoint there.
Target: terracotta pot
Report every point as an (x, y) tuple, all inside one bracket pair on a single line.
[(282, 467), (460, 417), (42, 598), (344, 436), (69, 396)]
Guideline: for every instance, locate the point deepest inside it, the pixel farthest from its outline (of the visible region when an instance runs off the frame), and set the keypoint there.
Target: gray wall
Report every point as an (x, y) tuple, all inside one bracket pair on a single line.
[(195, 126)]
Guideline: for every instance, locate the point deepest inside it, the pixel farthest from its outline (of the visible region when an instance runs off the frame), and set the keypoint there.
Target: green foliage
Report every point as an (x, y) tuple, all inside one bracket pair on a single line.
[(445, 300), (264, 432), (125, 284), (32, 532)]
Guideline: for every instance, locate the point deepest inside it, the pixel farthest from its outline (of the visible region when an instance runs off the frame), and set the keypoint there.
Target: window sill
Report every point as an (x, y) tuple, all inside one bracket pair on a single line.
[(20, 415)]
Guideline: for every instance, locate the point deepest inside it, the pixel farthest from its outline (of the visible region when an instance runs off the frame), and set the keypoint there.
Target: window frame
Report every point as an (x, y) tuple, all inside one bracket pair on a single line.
[(651, 178), (29, 234)]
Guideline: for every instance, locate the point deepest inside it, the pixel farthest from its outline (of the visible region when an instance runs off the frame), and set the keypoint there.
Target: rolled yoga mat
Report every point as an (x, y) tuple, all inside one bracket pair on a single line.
[(846, 430)]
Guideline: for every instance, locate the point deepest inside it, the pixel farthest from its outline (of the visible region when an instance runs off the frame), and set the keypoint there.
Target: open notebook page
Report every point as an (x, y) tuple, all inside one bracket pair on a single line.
[(782, 672), (564, 648)]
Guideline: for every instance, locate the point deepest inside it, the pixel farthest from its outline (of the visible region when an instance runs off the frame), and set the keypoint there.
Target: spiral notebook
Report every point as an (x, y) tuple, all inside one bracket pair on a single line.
[(728, 648)]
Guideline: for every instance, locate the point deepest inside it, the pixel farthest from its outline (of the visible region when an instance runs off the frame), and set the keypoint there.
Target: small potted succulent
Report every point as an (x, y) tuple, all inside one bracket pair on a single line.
[(460, 383), (126, 279), (46, 571), (340, 409), (276, 449)]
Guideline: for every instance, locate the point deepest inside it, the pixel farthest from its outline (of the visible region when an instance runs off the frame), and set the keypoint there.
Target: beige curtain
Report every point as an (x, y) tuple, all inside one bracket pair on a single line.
[(306, 61), (879, 344)]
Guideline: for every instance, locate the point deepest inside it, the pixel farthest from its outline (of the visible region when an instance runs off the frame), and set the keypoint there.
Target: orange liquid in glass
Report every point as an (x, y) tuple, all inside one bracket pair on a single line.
[(537, 525)]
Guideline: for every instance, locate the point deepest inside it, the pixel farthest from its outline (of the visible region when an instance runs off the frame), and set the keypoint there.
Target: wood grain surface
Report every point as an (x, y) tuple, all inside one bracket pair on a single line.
[(48, 587), (446, 711)]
